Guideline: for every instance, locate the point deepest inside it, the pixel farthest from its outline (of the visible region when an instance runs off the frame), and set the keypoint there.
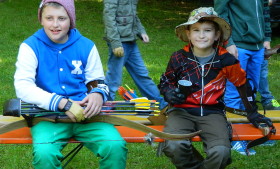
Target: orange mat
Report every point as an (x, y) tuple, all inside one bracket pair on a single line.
[(240, 132)]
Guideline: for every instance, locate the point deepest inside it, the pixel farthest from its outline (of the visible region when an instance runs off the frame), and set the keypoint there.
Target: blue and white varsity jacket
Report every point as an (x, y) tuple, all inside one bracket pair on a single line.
[(46, 71)]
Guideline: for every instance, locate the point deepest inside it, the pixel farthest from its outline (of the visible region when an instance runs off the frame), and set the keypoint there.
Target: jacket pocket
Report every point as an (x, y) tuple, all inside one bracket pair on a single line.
[(250, 31), (124, 24)]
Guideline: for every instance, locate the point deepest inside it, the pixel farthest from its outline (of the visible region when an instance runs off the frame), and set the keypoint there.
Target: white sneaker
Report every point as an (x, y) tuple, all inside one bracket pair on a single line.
[(240, 147)]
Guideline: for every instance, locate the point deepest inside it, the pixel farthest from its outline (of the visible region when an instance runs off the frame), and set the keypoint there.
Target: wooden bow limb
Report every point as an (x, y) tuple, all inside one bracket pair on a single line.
[(100, 118), (267, 132)]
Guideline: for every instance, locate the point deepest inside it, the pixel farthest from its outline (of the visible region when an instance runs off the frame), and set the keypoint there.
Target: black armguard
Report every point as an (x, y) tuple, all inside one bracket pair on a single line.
[(247, 95)]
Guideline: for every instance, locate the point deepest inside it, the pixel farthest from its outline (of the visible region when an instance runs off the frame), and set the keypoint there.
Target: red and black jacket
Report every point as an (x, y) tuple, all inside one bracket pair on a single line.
[(208, 91)]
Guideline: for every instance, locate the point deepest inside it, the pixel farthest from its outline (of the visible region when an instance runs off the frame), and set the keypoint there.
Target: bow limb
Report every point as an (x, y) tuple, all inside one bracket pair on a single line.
[(19, 123), (267, 132), (141, 127), (100, 118), (12, 123)]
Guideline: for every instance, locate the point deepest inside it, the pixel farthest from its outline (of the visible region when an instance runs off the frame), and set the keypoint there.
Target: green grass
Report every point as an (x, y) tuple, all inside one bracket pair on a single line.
[(19, 20)]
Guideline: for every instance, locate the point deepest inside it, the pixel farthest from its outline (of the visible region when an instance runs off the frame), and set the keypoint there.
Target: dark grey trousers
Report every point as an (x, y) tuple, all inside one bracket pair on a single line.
[(215, 137)]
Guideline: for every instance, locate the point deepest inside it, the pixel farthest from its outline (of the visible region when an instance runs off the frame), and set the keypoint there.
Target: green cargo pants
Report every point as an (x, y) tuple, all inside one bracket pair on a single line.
[(102, 139)]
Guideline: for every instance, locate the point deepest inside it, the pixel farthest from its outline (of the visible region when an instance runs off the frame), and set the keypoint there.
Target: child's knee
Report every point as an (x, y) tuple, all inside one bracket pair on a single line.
[(219, 152), (46, 154), (177, 147), (116, 148)]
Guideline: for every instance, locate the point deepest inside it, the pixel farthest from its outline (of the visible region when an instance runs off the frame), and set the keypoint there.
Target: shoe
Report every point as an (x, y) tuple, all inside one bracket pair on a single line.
[(269, 143), (273, 105), (240, 147), (269, 52)]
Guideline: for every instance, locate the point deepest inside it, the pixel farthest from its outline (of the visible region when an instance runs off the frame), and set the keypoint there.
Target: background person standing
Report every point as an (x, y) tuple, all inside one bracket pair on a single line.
[(122, 29), (251, 35)]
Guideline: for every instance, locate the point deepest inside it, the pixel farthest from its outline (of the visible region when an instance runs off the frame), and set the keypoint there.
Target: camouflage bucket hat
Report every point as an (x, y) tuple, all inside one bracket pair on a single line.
[(205, 13)]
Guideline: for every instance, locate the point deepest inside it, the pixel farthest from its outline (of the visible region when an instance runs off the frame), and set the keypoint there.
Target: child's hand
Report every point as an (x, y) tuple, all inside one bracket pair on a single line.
[(118, 51), (74, 111), (256, 119), (174, 96), (93, 103), (145, 38), (232, 49)]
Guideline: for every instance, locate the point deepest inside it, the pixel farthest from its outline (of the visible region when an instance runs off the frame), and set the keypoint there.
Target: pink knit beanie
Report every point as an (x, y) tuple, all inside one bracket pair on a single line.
[(68, 6)]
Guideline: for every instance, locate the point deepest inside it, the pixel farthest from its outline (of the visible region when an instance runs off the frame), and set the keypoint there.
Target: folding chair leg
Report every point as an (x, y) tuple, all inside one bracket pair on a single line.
[(72, 153)]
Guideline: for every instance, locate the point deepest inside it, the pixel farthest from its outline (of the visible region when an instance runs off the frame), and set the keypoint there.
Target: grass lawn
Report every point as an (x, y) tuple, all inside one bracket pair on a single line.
[(18, 20)]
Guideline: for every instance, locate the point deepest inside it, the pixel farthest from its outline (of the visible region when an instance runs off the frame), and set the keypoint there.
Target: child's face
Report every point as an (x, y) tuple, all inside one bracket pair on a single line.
[(202, 35), (56, 23)]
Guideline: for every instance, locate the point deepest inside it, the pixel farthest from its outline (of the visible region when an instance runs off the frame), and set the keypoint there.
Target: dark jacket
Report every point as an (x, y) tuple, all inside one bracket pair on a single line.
[(208, 91)]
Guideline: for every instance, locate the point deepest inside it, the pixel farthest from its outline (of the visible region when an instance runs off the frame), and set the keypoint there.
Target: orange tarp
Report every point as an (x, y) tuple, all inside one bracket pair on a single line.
[(240, 132)]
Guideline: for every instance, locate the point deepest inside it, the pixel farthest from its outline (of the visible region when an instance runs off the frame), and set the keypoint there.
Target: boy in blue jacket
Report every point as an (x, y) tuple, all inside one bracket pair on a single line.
[(53, 68)]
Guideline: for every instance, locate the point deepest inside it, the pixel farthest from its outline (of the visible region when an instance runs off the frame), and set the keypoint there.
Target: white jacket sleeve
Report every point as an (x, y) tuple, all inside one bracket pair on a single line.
[(94, 71), (24, 80)]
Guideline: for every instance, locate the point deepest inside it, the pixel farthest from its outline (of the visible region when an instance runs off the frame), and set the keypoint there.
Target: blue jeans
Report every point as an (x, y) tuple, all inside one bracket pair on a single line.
[(134, 64), (251, 62), (266, 95)]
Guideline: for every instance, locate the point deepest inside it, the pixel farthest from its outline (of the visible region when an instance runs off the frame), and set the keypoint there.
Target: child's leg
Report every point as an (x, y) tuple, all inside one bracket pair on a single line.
[(181, 152), (114, 73), (140, 75), (264, 91), (48, 140), (254, 67), (104, 141)]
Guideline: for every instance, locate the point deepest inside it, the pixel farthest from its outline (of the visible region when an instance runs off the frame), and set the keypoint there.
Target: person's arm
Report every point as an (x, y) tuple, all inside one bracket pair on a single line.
[(109, 18), (237, 76), (98, 93), (94, 72), (222, 8), (247, 97), (266, 15), (169, 83), (24, 81), (142, 32), (168, 80)]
